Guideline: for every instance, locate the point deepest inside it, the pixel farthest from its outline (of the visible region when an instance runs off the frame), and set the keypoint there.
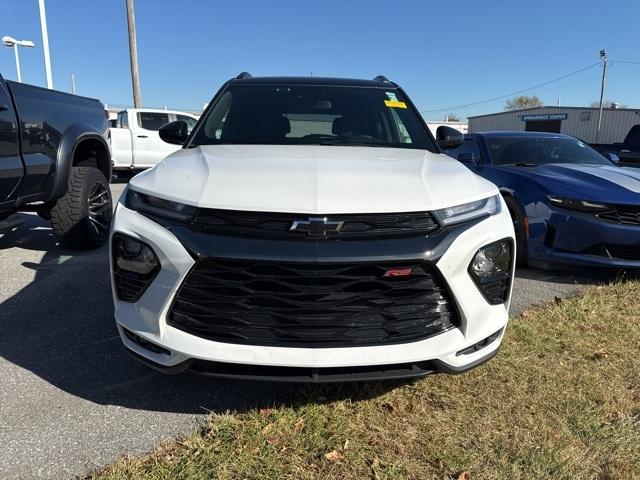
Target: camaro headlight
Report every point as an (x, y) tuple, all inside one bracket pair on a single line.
[(158, 207), (577, 205), (469, 211)]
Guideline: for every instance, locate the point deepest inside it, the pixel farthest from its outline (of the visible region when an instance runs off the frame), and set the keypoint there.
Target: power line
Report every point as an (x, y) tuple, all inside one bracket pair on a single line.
[(513, 93), (622, 61)]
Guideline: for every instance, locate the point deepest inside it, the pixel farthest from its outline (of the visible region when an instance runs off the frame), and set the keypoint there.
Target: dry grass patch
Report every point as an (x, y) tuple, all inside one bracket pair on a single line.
[(561, 400)]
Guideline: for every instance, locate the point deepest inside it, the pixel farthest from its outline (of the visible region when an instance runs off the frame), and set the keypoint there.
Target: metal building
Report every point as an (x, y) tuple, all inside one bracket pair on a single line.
[(581, 122)]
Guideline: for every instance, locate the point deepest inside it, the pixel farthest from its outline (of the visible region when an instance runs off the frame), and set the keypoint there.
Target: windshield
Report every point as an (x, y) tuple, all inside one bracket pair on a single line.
[(539, 151), (312, 115)]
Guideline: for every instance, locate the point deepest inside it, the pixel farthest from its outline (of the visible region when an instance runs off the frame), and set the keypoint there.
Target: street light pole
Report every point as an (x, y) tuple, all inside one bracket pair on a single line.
[(15, 50), (603, 59), (133, 55), (45, 43), (12, 42)]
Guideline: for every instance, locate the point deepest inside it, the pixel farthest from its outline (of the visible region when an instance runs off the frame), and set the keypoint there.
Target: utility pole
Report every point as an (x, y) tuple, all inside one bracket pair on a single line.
[(603, 59), (45, 44), (133, 55), (73, 84)]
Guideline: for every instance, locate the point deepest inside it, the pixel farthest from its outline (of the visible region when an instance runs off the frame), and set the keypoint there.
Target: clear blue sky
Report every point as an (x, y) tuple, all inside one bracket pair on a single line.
[(443, 53)]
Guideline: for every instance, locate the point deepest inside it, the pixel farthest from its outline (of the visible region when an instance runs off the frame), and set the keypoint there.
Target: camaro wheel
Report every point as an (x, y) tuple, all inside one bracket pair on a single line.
[(519, 226), (82, 218)]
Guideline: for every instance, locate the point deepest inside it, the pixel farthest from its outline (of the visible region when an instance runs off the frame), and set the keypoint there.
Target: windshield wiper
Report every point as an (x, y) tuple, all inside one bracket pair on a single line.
[(523, 164)]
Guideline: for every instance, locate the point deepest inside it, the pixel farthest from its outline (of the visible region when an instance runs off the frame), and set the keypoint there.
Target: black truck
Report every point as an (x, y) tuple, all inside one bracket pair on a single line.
[(628, 152), (55, 161)]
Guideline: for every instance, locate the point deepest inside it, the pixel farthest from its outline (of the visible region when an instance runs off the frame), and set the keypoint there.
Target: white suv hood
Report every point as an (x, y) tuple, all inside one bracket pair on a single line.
[(312, 179)]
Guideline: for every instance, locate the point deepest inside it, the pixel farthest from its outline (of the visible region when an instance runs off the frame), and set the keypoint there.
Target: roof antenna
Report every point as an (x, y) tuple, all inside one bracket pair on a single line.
[(243, 75)]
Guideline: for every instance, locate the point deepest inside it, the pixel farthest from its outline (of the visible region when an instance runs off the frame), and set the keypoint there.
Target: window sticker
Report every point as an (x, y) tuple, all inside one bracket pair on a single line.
[(395, 104), (392, 96)]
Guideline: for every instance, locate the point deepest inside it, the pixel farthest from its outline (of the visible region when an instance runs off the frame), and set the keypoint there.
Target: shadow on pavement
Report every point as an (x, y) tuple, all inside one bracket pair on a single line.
[(61, 328)]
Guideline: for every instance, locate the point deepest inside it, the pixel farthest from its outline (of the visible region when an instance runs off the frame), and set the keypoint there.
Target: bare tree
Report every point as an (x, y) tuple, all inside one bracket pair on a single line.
[(452, 117), (519, 103)]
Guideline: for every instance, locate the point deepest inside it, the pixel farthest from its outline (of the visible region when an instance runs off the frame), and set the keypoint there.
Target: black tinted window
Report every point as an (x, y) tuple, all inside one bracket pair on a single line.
[(537, 151), (152, 120), (316, 115), (122, 121)]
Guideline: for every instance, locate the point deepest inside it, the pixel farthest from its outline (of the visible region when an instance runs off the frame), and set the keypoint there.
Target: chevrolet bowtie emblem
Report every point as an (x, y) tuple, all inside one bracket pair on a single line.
[(317, 226)]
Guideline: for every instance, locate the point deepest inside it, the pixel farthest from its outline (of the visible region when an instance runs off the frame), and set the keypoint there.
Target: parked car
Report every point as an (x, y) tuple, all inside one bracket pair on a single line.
[(628, 152), (569, 204), (135, 143), (54, 160), (310, 229)]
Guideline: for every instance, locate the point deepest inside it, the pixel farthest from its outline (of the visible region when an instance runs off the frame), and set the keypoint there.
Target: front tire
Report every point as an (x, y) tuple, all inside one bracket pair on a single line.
[(521, 236), (82, 217)]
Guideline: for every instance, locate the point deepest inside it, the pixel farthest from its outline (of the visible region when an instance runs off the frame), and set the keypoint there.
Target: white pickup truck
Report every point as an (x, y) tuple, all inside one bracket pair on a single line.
[(135, 143)]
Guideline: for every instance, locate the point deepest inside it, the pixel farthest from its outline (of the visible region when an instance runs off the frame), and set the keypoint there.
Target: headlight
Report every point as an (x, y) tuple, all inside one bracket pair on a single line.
[(158, 207), (469, 211), (577, 205)]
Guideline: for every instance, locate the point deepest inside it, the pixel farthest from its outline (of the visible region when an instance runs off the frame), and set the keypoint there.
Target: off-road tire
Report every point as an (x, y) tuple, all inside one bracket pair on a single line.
[(70, 216)]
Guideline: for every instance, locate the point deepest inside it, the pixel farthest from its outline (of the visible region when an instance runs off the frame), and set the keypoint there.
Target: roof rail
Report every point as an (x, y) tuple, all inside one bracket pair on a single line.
[(243, 75), (381, 78)]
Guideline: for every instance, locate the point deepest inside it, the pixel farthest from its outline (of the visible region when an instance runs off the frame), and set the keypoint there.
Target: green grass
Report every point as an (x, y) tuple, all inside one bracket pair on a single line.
[(561, 400)]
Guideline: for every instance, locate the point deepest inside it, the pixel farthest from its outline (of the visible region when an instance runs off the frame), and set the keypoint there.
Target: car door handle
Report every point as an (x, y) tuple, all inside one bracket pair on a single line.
[(4, 107), (143, 136)]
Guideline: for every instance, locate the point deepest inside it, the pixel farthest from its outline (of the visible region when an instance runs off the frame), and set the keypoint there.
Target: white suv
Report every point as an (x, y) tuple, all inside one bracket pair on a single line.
[(312, 230)]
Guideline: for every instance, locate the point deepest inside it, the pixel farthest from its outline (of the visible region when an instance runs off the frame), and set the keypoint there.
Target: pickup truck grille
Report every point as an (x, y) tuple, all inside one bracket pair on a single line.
[(622, 214), (313, 305), (278, 225)]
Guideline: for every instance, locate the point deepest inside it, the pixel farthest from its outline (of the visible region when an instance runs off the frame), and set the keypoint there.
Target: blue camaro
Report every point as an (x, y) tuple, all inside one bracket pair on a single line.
[(570, 205)]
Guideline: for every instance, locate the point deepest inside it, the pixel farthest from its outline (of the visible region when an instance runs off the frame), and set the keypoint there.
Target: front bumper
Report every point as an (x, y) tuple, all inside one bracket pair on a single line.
[(179, 350), (581, 239)]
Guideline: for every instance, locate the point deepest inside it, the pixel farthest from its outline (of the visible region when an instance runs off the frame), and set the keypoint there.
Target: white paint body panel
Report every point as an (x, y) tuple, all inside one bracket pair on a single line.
[(321, 180), (313, 179)]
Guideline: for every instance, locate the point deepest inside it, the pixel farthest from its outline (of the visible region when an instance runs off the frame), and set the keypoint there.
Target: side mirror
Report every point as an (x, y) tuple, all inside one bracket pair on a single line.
[(175, 133), (467, 157), (449, 138)]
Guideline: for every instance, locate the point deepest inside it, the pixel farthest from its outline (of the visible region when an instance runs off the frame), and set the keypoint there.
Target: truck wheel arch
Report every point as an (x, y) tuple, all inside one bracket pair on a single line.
[(77, 147)]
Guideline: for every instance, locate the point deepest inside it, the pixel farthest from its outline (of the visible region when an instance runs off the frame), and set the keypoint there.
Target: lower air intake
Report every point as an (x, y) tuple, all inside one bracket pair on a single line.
[(313, 305)]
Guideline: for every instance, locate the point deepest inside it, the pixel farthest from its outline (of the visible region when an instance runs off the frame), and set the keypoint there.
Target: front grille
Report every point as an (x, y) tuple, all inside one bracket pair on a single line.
[(622, 214), (311, 304), (278, 225)]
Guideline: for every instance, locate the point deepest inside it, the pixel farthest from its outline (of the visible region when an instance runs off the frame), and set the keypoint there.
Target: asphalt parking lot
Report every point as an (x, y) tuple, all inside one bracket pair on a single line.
[(72, 400)]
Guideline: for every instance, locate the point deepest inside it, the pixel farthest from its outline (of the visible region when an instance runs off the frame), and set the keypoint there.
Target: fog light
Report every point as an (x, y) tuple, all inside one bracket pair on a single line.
[(133, 255), (134, 266), (494, 259), (491, 270)]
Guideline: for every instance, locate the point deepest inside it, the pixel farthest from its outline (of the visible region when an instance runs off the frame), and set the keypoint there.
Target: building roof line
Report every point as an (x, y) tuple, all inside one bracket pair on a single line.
[(556, 108)]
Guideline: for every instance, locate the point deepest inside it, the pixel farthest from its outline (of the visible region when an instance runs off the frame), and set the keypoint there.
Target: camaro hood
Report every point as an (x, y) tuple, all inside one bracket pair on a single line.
[(312, 179), (602, 183)]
